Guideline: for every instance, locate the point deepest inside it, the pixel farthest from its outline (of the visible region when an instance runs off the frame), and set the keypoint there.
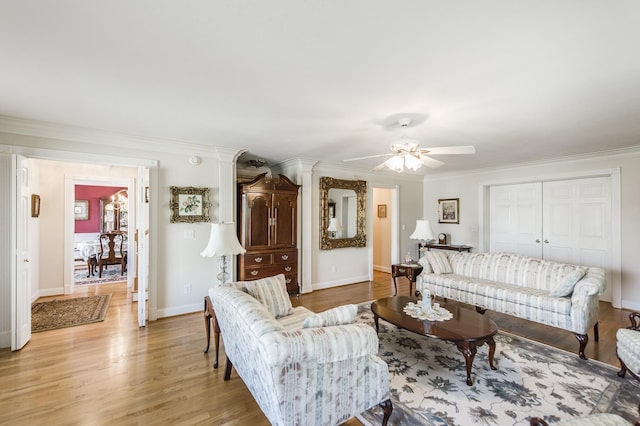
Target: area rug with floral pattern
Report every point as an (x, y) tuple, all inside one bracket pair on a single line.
[(60, 313), (428, 382)]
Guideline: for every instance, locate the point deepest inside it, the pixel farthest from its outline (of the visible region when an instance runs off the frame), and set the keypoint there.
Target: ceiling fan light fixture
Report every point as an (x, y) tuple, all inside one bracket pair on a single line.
[(395, 163), (412, 162)]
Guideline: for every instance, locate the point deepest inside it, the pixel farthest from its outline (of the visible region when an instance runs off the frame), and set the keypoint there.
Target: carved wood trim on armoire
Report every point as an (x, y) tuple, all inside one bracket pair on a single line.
[(267, 228)]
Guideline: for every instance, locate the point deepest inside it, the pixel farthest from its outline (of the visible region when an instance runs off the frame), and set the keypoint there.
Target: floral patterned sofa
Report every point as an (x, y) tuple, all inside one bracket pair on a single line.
[(302, 368), (561, 295)]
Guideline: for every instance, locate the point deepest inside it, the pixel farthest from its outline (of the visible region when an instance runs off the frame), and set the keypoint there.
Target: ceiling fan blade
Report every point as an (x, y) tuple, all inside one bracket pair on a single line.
[(380, 166), (430, 162), (367, 157), (443, 150)]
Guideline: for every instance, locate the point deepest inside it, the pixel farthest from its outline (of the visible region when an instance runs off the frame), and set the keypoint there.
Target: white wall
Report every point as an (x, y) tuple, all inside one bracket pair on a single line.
[(467, 188)]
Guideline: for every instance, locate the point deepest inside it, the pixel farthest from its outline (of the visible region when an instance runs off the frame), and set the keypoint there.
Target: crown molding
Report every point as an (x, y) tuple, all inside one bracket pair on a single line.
[(629, 152), (97, 137)]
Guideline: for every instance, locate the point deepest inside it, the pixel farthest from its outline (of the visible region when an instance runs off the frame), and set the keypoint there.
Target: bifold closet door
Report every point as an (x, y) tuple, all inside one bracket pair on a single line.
[(566, 221), (516, 219), (577, 223)]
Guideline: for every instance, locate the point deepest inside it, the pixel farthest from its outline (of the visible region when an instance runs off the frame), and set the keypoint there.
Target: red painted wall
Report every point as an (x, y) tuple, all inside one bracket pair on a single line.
[(93, 194)]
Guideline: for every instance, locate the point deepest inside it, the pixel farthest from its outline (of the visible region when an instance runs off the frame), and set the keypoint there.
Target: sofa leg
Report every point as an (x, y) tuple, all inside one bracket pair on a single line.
[(227, 370), (583, 339), (387, 407), (623, 369), (596, 334), (480, 310)]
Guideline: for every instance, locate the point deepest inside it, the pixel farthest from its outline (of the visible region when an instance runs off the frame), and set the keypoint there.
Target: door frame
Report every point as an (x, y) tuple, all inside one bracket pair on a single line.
[(69, 191), (144, 165), (616, 238)]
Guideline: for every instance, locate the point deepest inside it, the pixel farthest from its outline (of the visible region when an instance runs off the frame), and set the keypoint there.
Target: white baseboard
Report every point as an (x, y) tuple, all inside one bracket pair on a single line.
[(336, 283), (382, 268), (57, 291), (631, 305), (178, 310)]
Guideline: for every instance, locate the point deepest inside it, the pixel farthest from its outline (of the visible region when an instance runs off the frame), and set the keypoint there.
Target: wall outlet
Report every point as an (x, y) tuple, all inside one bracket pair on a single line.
[(187, 289), (334, 268)]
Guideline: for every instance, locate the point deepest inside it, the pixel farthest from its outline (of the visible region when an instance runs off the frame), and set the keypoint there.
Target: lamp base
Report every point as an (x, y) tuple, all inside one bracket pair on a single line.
[(223, 275)]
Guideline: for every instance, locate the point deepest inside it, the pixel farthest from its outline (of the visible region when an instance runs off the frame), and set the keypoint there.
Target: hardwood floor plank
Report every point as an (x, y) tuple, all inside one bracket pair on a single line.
[(114, 372)]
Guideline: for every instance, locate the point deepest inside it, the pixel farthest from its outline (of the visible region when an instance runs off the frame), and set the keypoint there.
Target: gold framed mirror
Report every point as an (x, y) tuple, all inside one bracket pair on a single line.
[(342, 213)]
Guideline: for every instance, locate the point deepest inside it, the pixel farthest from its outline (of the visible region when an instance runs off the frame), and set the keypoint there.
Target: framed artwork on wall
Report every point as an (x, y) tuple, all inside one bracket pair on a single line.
[(81, 210), (35, 205), (449, 210), (189, 204), (382, 210)]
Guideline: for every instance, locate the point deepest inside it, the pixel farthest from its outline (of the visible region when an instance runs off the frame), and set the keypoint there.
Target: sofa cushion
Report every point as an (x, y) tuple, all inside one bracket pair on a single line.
[(475, 291), (426, 266), (439, 262), (271, 292), (340, 315), (566, 285)]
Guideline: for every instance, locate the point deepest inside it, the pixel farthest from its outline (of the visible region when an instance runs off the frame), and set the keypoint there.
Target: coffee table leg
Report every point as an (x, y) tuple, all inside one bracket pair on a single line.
[(469, 350), (375, 319), (492, 350)]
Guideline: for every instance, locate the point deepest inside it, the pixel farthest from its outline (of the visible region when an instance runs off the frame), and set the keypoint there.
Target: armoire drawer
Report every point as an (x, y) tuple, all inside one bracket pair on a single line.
[(258, 259), (286, 257), (255, 273)]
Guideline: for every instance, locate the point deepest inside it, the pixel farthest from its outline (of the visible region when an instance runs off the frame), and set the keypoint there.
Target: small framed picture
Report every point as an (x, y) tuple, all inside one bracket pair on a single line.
[(35, 205), (189, 204), (382, 210), (449, 210), (81, 210)]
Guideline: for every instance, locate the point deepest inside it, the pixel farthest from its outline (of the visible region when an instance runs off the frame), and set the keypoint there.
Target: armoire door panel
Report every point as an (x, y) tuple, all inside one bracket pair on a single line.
[(284, 232), (257, 221)]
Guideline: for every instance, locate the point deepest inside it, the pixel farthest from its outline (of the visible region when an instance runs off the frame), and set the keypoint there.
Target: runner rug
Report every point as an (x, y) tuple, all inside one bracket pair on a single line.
[(68, 312), (428, 382)]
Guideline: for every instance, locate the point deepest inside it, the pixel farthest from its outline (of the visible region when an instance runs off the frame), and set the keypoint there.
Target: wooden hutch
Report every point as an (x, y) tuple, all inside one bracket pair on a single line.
[(267, 228)]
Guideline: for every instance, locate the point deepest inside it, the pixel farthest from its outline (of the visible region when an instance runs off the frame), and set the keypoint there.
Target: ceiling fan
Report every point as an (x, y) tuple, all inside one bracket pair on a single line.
[(406, 152)]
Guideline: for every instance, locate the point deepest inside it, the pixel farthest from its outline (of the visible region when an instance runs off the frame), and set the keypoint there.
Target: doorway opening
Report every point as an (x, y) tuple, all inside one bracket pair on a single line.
[(385, 233)]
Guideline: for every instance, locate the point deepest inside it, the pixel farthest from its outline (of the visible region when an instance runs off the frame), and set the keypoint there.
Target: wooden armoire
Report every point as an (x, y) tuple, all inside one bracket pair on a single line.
[(267, 228)]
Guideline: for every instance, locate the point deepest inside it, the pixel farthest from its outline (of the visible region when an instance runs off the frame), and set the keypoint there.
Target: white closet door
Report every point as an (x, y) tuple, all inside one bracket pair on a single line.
[(516, 219), (577, 223)]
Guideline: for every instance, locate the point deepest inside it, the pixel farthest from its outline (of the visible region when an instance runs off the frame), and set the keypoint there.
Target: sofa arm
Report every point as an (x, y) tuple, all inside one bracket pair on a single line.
[(592, 283), (322, 344)]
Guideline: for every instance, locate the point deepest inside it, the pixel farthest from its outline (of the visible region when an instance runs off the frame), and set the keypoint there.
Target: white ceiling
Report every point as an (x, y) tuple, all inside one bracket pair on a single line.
[(324, 79)]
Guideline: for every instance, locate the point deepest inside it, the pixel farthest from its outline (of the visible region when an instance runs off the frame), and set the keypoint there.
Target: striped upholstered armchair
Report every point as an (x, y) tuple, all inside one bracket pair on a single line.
[(302, 368), (628, 347)]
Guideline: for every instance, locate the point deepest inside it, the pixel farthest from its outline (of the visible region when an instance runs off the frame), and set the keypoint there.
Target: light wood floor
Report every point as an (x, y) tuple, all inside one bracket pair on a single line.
[(113, 372)]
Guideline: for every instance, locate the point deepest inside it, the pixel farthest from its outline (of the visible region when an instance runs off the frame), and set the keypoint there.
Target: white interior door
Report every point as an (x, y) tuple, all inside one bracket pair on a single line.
[(516, 219), (577, 223), (21, 291)]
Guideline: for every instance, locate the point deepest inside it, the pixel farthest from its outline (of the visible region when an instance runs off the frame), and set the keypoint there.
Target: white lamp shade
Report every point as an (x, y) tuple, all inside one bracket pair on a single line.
[(223, 241), (423, 231), (334, 225)]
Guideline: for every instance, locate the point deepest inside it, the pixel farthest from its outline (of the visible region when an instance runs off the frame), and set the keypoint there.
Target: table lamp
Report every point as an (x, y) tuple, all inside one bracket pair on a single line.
[(223, 243), (423, 232)]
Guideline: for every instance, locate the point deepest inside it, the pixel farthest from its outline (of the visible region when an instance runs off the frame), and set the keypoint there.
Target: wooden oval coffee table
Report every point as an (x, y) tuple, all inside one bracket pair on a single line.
[(467, 329)]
